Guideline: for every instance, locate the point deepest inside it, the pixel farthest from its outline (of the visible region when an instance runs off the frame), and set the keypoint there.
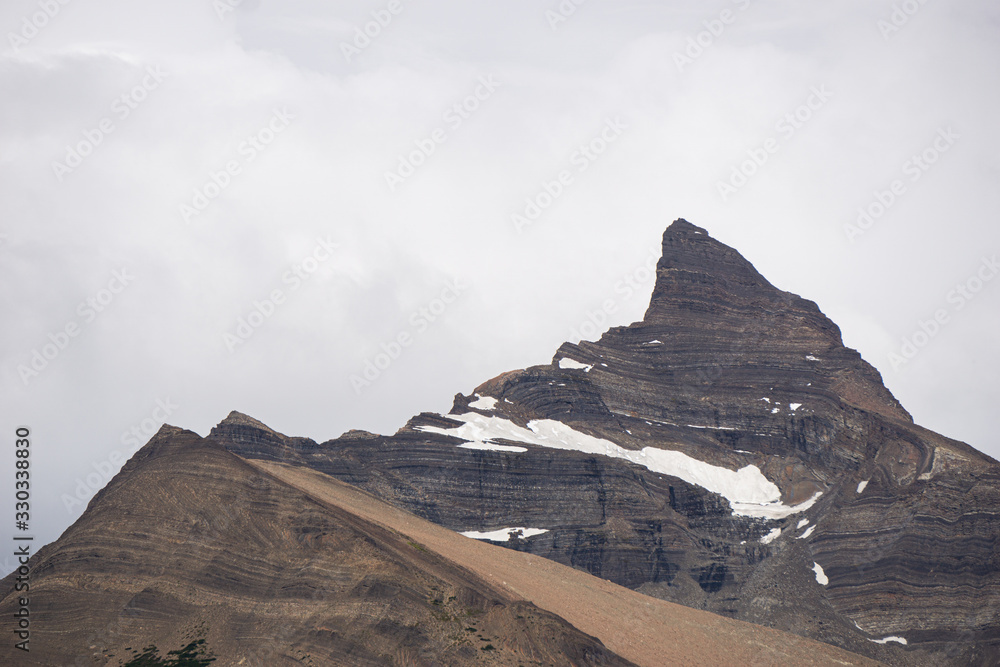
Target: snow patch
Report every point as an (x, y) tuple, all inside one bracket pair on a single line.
[(766, 399), (662, 422), (802, 522), (483, 402), (821, 577), (480, 431), (861, 486), (748, 491), (774, 510), (794, 406), (771, 537), (809, 531), (504, 534), (654, 342), (774, 410), (885, 640), (809, 357), (493, 447), (566, 362)]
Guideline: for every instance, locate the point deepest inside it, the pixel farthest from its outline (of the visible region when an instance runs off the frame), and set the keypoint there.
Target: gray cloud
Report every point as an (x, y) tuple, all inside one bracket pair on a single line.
[(687, 128)]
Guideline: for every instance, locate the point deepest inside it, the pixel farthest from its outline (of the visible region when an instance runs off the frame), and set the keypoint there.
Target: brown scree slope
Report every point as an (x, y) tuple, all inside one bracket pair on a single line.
[(645, 630)]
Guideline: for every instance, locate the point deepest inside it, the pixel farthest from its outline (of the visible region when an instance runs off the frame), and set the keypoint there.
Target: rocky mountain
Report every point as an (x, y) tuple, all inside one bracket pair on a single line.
[(728, 453)]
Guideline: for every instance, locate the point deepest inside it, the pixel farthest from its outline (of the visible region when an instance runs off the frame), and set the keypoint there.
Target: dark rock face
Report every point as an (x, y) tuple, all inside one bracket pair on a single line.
[(729, 371), (190, 541)]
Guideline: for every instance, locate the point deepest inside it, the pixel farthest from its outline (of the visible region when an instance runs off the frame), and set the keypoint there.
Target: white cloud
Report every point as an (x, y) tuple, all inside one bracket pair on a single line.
[(325, 175)]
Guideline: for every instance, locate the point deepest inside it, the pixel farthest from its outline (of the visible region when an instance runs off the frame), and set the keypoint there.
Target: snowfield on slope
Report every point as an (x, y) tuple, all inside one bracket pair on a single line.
[(566, 362), (504, 534), (885, 640), (821, 577), (748, 491), (483, 402)]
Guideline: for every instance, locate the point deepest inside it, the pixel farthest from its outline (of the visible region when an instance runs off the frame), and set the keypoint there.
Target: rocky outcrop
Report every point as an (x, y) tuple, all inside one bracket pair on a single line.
[(846, 522)]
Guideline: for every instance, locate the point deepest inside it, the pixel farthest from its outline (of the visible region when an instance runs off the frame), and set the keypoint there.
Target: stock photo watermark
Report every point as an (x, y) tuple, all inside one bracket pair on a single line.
[(714, 27), (551, 190), (88, 310), (957, 299), (32, 24), (248, 150), (364, 35), (786, 127), (264, 309), (420, 321), (454, 116), (122, 107), (913, 169), (22, 541), (901, 14), (225, 7), (562, 13)]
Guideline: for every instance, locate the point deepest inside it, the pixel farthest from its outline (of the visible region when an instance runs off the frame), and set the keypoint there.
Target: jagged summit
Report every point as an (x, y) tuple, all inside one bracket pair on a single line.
[(716, 327), (689, 248), (256, 436), (236, 418), (164, 441), (701, 279)]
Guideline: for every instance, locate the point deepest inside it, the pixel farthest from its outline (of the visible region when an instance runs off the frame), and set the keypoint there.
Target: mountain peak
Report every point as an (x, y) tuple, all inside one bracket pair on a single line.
[(238, 419), (255, 436), (714, 321), (680, 225), (696, 271)]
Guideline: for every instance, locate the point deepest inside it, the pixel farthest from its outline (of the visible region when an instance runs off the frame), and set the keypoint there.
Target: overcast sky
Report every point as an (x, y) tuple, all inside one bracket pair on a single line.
[(211, 206)]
